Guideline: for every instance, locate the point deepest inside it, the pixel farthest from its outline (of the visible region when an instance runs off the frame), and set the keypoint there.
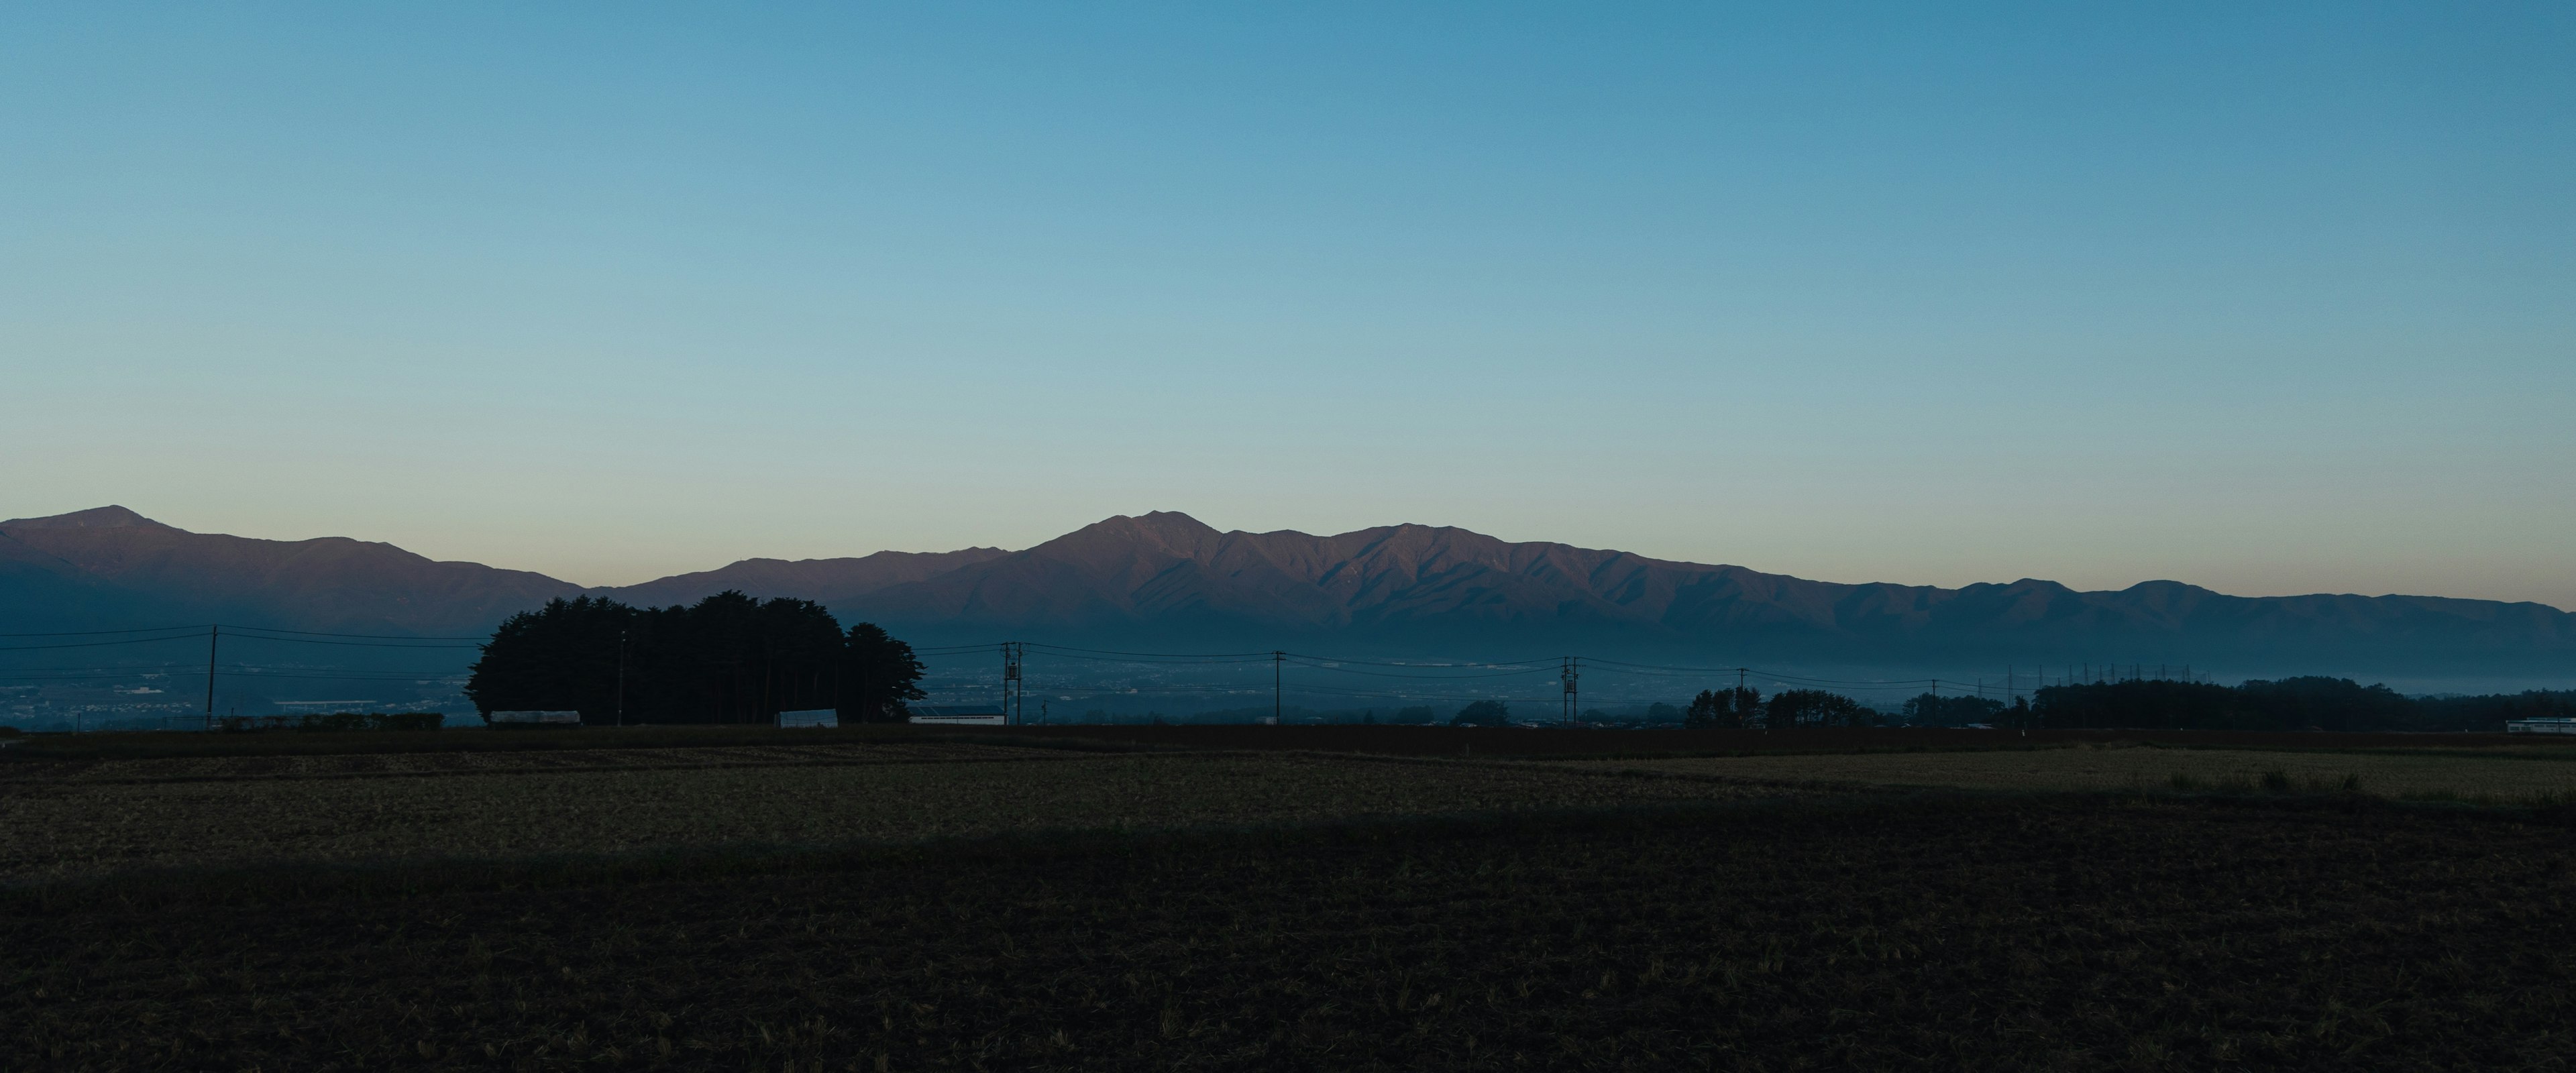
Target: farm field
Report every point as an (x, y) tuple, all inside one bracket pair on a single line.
[(235, 767), (2030, 933), (2514, 776), (1596, 742), (63, 820), (668, 900)]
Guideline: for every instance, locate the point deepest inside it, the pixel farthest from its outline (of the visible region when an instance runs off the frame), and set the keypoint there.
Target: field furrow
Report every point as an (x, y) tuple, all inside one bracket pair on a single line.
[(90, 824)]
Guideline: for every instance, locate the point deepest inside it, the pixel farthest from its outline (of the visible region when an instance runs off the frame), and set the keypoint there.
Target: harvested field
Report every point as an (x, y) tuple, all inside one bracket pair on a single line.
[(140, 745), (2506, 777), (1476, 741), (2022, 934), (108, 816), (345, 765)]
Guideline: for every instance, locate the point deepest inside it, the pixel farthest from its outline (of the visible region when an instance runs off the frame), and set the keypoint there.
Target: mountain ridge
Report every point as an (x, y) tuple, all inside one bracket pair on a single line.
[(1385, 585), (821, 580), (328, 583), (1164, 577)]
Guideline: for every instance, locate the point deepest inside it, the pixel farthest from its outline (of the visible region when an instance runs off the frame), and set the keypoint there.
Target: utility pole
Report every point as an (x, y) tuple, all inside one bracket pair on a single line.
[(621, 678), (213, 634), (1278, 670), (1571, 669), (1011, 701)]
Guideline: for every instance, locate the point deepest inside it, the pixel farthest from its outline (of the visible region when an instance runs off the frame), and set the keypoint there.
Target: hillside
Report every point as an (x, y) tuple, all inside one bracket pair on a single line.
[(1168, 580), (157, 575), (830, 581)]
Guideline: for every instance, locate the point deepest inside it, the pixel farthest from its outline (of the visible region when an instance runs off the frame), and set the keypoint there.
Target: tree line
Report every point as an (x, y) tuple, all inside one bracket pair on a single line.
[(2305, 703), (1736, 707), (729, 658), (1741, 707)]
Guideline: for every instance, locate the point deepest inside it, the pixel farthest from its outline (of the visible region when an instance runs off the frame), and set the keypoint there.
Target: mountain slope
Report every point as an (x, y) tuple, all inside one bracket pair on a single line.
[(825, 580), (1167, 578), (327, 583)]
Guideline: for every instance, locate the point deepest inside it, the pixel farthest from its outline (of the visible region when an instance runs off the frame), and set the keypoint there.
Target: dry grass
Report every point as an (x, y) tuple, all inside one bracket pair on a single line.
[(2465, 776), (123, 815)]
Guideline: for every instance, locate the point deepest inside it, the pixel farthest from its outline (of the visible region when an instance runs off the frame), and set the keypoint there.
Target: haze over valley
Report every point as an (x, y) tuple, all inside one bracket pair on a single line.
[(1164, 582)]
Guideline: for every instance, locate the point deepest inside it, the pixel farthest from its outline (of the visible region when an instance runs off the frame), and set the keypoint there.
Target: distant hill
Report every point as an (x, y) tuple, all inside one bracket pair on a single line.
[(1168, 580), (111, 567), (828, 581)]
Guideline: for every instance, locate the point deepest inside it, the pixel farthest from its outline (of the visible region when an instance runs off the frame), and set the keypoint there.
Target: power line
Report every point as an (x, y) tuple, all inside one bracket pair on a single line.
[(300, 673), (1533, 663), (1194, 661), (1158, 655), (157, 669), (191, 630), (100, 644), (353, 644), (1427, 677), (374, 636)]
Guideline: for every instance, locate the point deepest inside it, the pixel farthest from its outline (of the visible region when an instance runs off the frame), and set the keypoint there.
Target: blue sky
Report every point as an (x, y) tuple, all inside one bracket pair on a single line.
[(2272, 298)]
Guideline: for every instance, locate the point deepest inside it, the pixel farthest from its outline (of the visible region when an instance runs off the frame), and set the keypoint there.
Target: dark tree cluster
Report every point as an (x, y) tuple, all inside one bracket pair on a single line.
[(1792, 708), (1739, 707), (2308, 703), (1935, 710), (1730, 708), (729, 658)]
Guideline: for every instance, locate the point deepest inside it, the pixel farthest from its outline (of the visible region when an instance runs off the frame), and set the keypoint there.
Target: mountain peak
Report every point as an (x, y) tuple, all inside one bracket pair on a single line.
[(1169, 529), (107, 517), (1167, 521)]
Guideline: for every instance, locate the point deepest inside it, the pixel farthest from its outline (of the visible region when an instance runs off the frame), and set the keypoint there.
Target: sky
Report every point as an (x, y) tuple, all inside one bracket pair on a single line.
[(2272, 298)]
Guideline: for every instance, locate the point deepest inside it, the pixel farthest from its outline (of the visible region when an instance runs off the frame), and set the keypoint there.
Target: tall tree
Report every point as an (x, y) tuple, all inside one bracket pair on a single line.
[(878, 674)]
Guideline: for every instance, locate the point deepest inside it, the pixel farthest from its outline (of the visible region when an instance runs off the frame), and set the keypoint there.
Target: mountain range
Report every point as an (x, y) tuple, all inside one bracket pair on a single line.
[(1167, 580)]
